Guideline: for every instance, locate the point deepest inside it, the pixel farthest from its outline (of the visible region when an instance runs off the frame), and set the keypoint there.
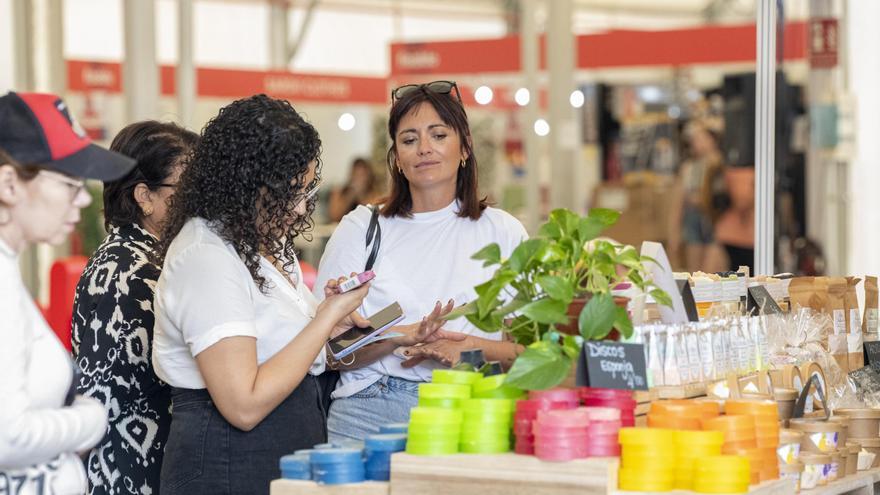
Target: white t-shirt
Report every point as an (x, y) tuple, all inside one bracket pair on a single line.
[(206, 293), (421, 260), (39, 436)]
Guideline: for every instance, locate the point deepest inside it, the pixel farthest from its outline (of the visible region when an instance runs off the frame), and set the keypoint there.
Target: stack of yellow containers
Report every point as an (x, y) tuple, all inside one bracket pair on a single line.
[(766, 414), (689, 447), (647, 459), (722, 474)]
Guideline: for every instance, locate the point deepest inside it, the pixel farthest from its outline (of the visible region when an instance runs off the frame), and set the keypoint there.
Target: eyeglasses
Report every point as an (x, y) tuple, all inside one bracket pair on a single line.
[(74, 185), (441, 87), (309, 194)]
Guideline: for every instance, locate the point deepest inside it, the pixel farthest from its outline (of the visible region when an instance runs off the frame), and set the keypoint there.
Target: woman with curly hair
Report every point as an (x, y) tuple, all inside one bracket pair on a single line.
[(238, 336), (112, 328)]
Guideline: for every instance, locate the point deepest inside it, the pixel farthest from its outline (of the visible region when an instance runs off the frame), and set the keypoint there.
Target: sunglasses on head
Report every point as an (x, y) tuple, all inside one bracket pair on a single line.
[(440, 87)]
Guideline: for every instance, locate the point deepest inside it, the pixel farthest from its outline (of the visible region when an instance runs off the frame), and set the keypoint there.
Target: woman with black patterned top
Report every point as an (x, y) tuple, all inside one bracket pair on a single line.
[(113, 313)]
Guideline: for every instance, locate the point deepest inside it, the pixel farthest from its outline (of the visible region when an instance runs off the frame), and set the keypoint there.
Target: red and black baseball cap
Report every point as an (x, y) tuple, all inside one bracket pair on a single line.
[(37, 129)]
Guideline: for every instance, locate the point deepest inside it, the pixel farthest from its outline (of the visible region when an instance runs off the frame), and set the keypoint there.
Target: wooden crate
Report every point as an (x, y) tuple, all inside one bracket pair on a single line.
[(690, 391), (301, 487), (502, 474)]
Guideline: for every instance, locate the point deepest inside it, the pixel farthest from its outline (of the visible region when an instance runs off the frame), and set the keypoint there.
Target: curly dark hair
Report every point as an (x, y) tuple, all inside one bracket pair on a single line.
[(245, 174)]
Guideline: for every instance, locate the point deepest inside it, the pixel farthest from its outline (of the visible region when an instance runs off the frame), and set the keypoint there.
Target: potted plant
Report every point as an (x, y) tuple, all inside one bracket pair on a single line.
[(565, 273)]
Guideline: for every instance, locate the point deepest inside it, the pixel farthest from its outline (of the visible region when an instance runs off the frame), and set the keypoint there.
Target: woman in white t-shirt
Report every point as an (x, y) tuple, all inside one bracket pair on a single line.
[(431, 224), (44, 157), (238, 336)]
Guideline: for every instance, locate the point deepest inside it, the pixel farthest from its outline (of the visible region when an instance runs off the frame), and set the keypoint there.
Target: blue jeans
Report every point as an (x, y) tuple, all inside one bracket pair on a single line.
[(386, 401)]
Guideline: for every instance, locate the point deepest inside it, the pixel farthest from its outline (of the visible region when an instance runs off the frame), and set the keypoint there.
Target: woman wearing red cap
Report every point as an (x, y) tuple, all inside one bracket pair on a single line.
[(44, 157)]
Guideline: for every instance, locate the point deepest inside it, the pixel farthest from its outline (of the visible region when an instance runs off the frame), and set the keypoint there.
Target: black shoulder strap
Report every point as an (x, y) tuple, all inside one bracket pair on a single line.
[(374, 235)]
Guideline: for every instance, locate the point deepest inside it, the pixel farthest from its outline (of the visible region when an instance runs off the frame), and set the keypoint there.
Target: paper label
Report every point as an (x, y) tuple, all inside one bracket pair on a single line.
[(833, 471), (681, 354), (855, 321), (839, 318), (704, 292), (812, 475), (720, 354), (792, 476), (873, 317), (825, 441), (706, 355), (742, 287), (730, 290), (789, 453), (693, 349), (854, 343)]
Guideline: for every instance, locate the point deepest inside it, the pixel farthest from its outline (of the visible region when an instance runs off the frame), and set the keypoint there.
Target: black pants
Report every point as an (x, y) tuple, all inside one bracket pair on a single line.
[(207, 455)]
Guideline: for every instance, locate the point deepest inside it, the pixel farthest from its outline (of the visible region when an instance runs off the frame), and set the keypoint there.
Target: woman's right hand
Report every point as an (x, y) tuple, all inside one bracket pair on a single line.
[(341, 308), (429, 329)]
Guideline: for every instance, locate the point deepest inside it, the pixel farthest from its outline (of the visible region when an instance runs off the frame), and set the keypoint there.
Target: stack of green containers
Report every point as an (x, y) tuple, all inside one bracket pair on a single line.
[(486, 425), (493, 387), (433, 431)]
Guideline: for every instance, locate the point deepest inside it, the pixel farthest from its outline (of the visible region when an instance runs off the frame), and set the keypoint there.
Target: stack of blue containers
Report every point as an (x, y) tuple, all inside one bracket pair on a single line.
[(296, 467), (377, 452), (394, 428), (337, 466)]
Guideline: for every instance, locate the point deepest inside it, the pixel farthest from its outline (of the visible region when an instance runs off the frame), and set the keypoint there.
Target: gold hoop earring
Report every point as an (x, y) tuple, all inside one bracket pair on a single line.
[(148, 212)]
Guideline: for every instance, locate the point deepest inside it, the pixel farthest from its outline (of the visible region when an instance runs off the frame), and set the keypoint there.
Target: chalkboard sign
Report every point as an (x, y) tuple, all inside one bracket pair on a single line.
[(606, 364), (762, 302), (872, 354), (687, 297)]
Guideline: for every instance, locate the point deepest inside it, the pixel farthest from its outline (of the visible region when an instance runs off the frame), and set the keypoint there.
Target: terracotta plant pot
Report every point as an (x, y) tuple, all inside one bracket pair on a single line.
[(574, 311)]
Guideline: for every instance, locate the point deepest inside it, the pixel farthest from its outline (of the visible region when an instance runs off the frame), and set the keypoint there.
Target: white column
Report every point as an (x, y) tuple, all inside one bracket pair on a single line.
[(864, 81), (564, 136), (185, 74), (765, 136), (528, 46), (22, 45), (140, 70), (279, 30)]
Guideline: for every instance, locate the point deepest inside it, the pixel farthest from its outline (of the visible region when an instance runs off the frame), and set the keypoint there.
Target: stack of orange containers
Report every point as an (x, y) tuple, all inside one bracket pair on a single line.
[(690, 446), (766, 415), (676, 414), (739, 439)]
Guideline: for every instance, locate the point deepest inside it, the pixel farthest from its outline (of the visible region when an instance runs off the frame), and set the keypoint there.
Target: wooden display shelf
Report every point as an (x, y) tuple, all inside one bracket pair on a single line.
[(301, 487), (689, 391), (502, 474), (861, 483), (774, 487)]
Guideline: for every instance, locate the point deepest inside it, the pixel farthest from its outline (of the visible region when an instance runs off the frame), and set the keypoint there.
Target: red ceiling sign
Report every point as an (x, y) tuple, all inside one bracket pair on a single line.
[(620, 48), (822, 43), (224, 83)]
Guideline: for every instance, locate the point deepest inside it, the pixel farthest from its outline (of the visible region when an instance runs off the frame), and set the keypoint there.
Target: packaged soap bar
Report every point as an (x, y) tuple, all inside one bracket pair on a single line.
[(707, 353), (721, 348), (695, 365), (671, 373), (871, 321)]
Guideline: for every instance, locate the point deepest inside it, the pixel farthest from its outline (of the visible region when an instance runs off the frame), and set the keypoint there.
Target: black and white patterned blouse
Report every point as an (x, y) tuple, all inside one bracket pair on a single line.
[(112, 335)]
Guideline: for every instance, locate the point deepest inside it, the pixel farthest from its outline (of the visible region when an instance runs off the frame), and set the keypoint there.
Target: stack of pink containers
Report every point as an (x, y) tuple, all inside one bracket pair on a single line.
[(615, 399)]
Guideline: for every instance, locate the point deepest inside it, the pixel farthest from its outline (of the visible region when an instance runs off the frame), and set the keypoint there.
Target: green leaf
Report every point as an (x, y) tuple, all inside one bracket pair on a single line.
[(543, 365), (491, 254), (546, 311), (523, 330), (511, 307), (597, 317), (463, 310), (489, 290), (557, 287), (605, 216), (571, 346), (589, 229), (524, 252), (622, 323), (489, 324), (566, 219), (661, 297), (551, 230)]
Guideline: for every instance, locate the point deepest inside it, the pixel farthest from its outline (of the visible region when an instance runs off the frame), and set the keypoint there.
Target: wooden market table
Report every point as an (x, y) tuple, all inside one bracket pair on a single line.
[(511, 474)]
